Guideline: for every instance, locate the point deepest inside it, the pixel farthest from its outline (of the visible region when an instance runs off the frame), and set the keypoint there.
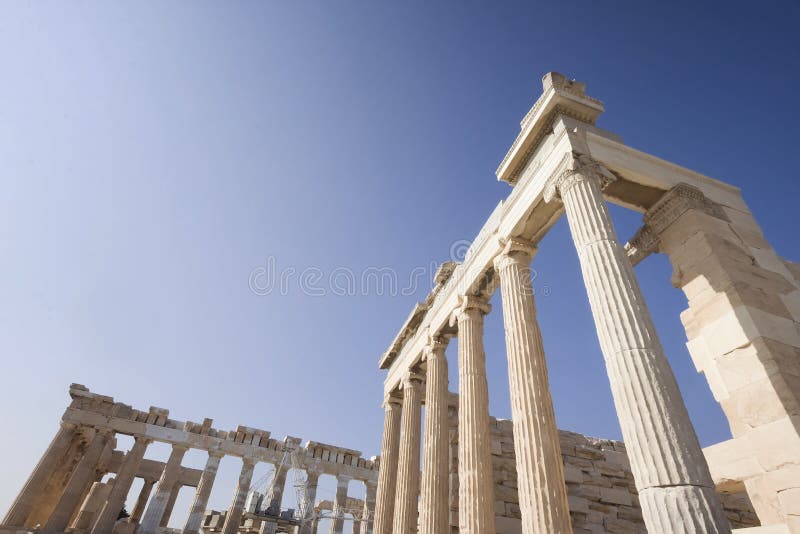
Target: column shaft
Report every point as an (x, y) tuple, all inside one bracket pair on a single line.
[(195, 517), (475, 471), (675, 488), (387, 475), (406, 503), (141, 502), (274, 497), (369, 506), (158, 504), (83, 473), (540, 467), (122, 485), (312, 483), (234, 518), (339, 504), (435, 506), (173, 496), (27, 498)]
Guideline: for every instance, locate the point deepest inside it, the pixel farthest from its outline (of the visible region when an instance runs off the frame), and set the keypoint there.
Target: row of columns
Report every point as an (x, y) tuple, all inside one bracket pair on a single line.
[(675, 488)]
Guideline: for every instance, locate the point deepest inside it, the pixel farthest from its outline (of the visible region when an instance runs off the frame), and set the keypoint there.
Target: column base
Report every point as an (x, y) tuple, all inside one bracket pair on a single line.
[(682, 510)]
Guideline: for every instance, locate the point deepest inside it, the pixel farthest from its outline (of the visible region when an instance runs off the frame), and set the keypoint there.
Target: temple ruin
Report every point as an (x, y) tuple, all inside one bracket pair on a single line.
[(468, 472)]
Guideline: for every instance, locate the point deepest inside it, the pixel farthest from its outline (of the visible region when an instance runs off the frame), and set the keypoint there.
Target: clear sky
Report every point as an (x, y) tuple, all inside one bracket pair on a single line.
[(154, 155)]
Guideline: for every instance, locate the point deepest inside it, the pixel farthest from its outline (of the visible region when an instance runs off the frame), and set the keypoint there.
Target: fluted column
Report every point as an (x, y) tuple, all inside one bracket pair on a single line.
[(540, 467), (26, 500), (312, 483), (675, 489), (234, 518), (109, 512), (406, 501), (369, 506), (173, 496), (158, 504), (435, 506), (339, 504), (141, 501), (195, 517), (84, 471), (387, 475), (475, 472), (274, 497)]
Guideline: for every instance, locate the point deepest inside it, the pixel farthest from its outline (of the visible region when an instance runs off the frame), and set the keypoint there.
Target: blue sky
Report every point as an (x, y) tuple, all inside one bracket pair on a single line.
[(153, 155)]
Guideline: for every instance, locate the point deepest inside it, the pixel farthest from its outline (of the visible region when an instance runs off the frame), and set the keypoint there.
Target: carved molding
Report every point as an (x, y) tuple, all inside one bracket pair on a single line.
[(574, 168), (669, 208)]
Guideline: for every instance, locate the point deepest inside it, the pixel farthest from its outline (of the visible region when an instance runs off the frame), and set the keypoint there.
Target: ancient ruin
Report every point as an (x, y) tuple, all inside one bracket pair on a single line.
[(468, 472), (742, 327)]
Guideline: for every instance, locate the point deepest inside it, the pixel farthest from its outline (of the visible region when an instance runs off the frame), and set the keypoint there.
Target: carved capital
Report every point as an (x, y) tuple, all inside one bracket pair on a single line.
[(669, 208), (435, 348), (469, 305), (515, 250), (392, 402), (575, 168), (412, 380)]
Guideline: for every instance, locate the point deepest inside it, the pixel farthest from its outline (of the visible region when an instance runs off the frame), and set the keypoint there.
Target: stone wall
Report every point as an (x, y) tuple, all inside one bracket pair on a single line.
[(600, 487)]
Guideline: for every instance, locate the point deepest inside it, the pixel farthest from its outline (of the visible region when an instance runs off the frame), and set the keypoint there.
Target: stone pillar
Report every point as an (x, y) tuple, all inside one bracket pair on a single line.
[(540, 468), (356, 526), (234, 518), (475, 472), (675, 489), (369, 506), (27, 498), (195, 517), (435, 508), (406, 505), (54, 488), (116, 499), (158, 504), (274, 497), (312, 483), (83, 473), (173, 496), (387, 475), (339, 504), (91, 505), (141, 502)]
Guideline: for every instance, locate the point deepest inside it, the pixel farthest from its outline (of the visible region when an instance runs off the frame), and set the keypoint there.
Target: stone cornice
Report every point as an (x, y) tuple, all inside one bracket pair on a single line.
[(560, 96)]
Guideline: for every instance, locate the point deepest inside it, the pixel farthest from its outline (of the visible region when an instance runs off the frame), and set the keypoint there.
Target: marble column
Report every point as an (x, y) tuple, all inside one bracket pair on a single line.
[(27, 498), (475, 472), (435, 505), (158, 504), (387, 475), (141, 501), (200, 503), (540, 467), (369, 506), (274, 497), (356, 526), (312, 483), (83, 473), (173, 496), (119, 492), (406, 502), (54, 488), (234, 518), (339, 504), (675, 488)]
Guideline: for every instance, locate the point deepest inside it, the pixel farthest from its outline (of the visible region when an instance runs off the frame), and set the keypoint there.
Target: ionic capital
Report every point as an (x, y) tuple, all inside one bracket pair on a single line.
[(248, 461), (469, 306), (392, 402), (412, 380), (669, 208), (435, 348), (575, 168), (515, 250)]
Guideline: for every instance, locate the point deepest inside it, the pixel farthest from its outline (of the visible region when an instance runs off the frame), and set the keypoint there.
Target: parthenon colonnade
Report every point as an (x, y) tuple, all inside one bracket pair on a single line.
[(742, 325), (65, 490)]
